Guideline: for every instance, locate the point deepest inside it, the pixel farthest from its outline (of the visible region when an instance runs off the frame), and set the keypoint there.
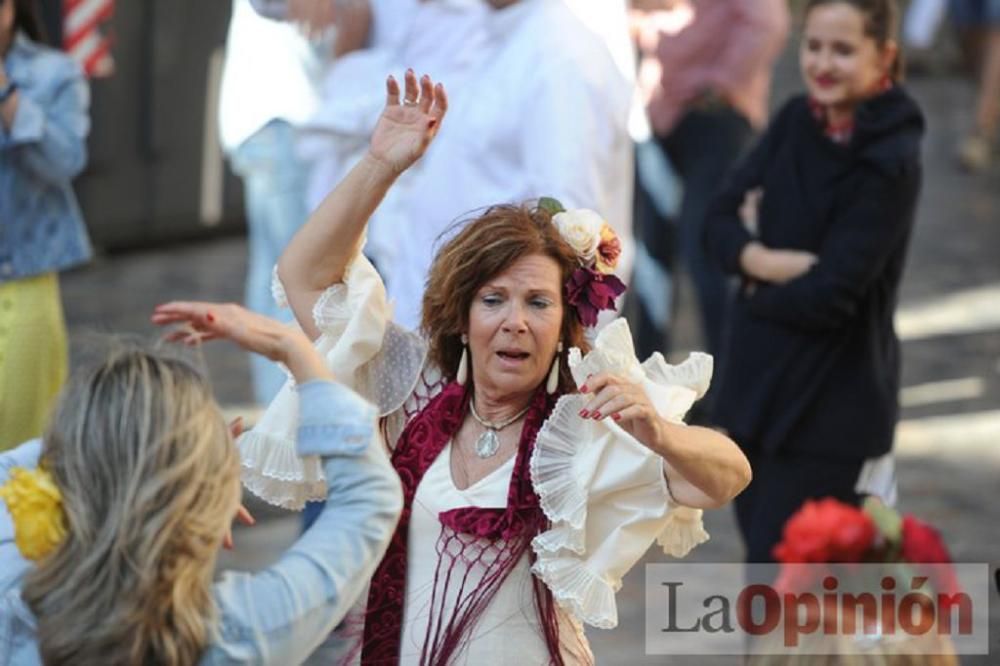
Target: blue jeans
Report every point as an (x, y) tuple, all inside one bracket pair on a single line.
[(274, 181)]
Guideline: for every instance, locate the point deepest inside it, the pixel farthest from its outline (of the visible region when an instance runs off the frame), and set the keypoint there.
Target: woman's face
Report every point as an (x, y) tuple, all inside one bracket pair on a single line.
[(841, 65), (514, 326)]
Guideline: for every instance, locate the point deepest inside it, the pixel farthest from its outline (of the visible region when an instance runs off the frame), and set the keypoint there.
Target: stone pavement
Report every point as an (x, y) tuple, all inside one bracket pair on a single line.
[(949, 441)]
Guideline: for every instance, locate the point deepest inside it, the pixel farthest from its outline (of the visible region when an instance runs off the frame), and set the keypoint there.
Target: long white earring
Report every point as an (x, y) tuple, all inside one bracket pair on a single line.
[(462, 375), (553, 382)]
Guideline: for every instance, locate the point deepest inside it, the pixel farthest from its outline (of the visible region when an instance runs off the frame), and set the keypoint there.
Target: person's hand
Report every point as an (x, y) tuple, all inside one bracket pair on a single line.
[(776, 266), (408, 126), (201, 322), (623, 401), (242, 514)]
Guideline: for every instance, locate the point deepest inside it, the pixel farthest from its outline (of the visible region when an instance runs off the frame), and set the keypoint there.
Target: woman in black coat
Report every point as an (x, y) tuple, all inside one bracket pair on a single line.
[(810, 371)]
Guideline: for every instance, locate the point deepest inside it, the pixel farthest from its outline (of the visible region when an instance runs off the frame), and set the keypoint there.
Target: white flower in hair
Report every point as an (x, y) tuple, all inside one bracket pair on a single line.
[(581, 228)]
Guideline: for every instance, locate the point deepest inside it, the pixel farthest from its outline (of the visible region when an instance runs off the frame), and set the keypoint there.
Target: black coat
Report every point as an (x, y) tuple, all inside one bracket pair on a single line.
[(812, 366)]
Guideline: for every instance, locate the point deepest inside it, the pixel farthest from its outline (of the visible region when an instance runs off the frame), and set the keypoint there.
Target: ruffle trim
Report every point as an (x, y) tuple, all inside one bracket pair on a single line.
[(561, 495), (278, 289), (683, 532), (695, 372), (561, 485), (332, 310), (273, 471), (590, 598)]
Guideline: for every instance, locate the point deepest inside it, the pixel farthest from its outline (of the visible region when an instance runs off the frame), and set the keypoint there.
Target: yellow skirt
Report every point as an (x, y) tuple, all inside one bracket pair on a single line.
[(33, 356)]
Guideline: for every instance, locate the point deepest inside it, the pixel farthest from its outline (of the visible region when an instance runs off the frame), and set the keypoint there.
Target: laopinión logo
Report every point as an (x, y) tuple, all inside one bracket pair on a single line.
[(817, 609)]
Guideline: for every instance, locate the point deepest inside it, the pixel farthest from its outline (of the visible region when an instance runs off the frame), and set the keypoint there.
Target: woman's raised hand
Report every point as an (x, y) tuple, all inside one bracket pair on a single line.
[(408, 125), (200, 322), (625, 402)]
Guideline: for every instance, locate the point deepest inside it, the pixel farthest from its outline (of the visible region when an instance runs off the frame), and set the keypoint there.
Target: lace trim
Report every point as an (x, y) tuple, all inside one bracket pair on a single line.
[(278, 289), (561, 493), (587, 596), (380, 360), (331, 311), (562, 468), (694, 373), (394, 374), (683, 531), (273, 471)]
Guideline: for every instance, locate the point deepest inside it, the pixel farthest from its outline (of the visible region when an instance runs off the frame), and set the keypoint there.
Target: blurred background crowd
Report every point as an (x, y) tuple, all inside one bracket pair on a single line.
[(202, 134)]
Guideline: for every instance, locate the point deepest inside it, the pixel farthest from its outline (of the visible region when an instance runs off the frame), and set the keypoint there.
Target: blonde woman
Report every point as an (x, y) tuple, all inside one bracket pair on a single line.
[(125, 501)]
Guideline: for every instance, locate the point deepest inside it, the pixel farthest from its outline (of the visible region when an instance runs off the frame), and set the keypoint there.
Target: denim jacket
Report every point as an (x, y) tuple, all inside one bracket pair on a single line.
[(284, 613), (41, 227)]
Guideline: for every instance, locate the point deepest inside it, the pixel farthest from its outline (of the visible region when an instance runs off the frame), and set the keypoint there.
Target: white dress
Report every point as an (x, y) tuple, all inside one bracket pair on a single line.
[(508, 631), (604, 494)]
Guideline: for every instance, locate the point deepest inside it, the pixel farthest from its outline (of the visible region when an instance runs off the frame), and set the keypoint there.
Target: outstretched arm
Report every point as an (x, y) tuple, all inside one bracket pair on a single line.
[(319, 253)]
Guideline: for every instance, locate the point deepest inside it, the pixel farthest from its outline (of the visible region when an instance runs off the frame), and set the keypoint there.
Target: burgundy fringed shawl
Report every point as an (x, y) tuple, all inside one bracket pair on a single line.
[(491, 540)]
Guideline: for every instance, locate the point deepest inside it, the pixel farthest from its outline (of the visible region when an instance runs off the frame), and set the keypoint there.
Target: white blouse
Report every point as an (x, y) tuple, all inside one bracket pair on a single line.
[(604, 493)]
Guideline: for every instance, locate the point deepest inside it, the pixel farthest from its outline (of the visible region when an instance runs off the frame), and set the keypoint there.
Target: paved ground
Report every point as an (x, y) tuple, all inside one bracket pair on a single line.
[(949, 441)]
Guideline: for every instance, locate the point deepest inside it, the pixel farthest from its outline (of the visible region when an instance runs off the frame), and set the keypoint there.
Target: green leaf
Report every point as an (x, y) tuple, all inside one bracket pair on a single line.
[(551, 206), (886, 519)]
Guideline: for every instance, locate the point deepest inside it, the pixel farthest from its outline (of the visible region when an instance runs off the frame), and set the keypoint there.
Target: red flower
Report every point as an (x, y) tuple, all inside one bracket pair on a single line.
[(922, 544), (826, 531), (590, 292)]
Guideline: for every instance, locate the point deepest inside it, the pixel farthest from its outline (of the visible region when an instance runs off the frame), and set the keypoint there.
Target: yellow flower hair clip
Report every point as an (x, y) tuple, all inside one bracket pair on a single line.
[(35, 505)]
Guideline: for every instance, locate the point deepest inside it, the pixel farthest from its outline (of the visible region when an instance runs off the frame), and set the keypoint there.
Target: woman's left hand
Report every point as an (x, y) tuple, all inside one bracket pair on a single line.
[(626, 402)]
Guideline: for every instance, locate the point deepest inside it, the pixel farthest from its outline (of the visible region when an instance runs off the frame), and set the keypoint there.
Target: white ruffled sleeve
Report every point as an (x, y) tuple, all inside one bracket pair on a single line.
[(605, 493), (365, 350)]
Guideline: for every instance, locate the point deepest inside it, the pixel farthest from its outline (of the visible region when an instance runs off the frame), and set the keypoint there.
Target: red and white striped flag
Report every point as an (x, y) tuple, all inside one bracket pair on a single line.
[(84, 37)]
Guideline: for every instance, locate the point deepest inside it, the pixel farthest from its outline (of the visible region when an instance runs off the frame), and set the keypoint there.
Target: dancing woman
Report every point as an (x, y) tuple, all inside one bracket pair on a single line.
[(125, 501), (526, 499), (811, 369)]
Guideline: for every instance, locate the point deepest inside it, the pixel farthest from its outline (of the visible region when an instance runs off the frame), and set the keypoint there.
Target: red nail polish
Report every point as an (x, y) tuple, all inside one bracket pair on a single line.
[(616, 416), (597, 416), (584, 413), (584, 389), (209, 317)]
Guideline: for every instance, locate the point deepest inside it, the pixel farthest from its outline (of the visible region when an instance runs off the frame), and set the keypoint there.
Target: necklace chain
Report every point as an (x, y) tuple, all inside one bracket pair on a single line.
[(488, 442), (495, 426)]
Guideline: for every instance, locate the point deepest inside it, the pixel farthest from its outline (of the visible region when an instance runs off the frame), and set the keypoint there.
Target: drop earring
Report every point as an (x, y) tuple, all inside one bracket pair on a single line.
[(553, 381), (462, 375)]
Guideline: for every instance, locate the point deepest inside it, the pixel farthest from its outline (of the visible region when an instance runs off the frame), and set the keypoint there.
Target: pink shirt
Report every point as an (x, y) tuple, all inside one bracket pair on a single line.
[(728, 47)]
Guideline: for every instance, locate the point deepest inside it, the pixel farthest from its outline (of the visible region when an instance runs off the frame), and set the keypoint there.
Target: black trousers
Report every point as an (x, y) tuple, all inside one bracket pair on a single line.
[(781, 484), (704, 145)]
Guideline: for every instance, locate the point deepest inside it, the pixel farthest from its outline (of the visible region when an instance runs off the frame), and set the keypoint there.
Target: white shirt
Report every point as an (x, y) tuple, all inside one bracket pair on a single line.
[(271, 72), (443, 38), (543, 112)]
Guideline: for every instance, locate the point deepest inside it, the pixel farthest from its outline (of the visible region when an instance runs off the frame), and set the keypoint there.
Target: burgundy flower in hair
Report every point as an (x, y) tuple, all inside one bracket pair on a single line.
[(591, 291)]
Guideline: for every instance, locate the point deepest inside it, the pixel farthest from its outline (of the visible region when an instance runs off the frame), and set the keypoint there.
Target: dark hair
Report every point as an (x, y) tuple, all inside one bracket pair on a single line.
[(484, 248), (28, 19), (881, 24)]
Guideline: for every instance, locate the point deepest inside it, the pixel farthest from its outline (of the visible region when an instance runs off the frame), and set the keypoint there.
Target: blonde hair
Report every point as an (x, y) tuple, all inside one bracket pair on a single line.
[(150, 480)]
